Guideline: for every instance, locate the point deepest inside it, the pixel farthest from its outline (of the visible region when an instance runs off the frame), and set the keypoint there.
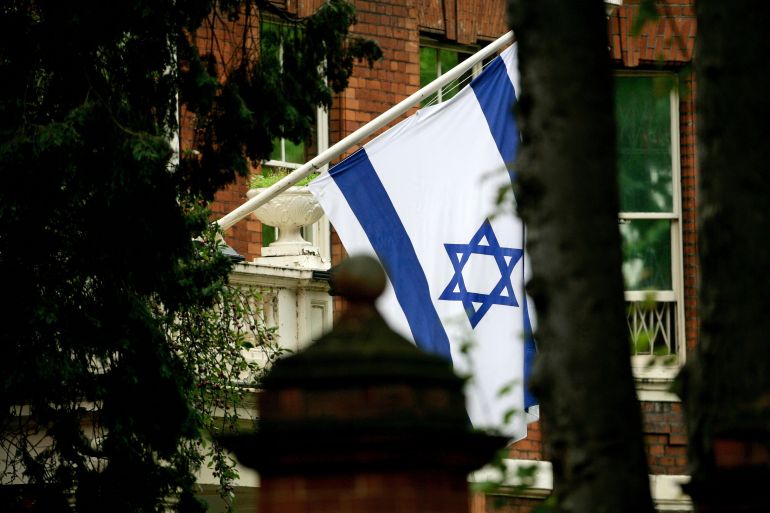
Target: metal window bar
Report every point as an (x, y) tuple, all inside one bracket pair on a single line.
[(652, 327)]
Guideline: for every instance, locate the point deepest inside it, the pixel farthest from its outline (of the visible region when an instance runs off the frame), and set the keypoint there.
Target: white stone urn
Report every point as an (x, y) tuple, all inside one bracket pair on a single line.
[(289, 211)]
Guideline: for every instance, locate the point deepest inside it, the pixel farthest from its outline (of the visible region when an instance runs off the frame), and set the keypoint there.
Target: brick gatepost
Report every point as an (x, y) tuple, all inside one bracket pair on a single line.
[(362, 421)]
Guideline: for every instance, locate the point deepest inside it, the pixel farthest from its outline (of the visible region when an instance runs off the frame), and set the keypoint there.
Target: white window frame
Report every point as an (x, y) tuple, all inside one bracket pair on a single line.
[(319, 233), (656, 378)]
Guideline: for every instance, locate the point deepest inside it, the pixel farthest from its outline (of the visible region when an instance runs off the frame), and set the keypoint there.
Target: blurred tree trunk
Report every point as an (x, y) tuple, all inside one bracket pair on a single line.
[(726, 388), (568, 198)]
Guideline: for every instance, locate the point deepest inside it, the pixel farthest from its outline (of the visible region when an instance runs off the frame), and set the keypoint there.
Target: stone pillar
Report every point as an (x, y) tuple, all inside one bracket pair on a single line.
[(363, 421)]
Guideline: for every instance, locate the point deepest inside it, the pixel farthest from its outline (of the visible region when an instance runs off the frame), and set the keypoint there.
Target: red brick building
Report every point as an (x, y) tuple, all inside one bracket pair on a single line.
[(420, 39)]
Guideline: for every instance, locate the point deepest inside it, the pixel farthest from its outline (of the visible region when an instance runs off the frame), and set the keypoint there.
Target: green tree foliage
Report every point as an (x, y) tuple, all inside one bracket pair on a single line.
[(102, 399), (241, 106)]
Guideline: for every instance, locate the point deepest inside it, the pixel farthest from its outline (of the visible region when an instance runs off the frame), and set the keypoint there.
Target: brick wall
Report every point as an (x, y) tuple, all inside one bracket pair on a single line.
[(665, 437), (504, 504), (463, 21), (532, 447), (665, 440), (244, 237), (689, 174), (372, 91), (670, 40)]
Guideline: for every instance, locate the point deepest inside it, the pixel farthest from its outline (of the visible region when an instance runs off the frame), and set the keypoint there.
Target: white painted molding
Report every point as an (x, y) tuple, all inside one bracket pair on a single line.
[(611, 5), (655, 396), (540, 487), (665, 489), (290, 274), (667, 492), (296, 304)]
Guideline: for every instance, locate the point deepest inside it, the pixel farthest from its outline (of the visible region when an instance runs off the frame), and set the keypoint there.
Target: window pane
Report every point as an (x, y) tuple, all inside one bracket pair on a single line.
[(295, 152), (435, 62), (270, 44), (643, 115), (646, 254), (268, 235), (428, 71), (277, 153), (449, 60)]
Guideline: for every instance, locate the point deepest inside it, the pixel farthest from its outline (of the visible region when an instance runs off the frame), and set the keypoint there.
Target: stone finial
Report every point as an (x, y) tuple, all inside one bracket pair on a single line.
[(359, 279)]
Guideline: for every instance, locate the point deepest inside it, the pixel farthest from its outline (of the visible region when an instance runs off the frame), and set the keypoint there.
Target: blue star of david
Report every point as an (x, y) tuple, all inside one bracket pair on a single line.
[(505, 258)]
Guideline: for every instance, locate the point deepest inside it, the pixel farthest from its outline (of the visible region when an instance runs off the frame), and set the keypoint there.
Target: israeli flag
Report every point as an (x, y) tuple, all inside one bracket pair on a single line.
[(422, 199)]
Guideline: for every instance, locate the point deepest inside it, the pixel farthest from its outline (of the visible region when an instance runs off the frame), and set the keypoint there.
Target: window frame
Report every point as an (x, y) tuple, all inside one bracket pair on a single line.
[(427, 42), (656, 377)]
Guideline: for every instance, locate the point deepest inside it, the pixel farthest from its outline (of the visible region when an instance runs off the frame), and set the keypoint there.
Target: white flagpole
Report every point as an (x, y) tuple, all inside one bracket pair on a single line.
[(368, 129)]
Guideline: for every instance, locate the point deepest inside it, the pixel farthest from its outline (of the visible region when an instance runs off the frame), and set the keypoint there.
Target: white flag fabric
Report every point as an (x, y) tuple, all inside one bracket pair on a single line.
[(422, 199)]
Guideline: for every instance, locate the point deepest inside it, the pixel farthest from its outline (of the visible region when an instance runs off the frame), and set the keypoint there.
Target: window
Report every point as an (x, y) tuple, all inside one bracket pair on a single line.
[(646, 110), (288, 154), (435, 60)]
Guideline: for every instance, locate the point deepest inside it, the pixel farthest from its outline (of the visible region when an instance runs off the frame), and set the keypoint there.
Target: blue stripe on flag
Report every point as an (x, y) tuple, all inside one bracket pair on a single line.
[(370, 203), (530, 350), (496, 97), (530, 347)]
